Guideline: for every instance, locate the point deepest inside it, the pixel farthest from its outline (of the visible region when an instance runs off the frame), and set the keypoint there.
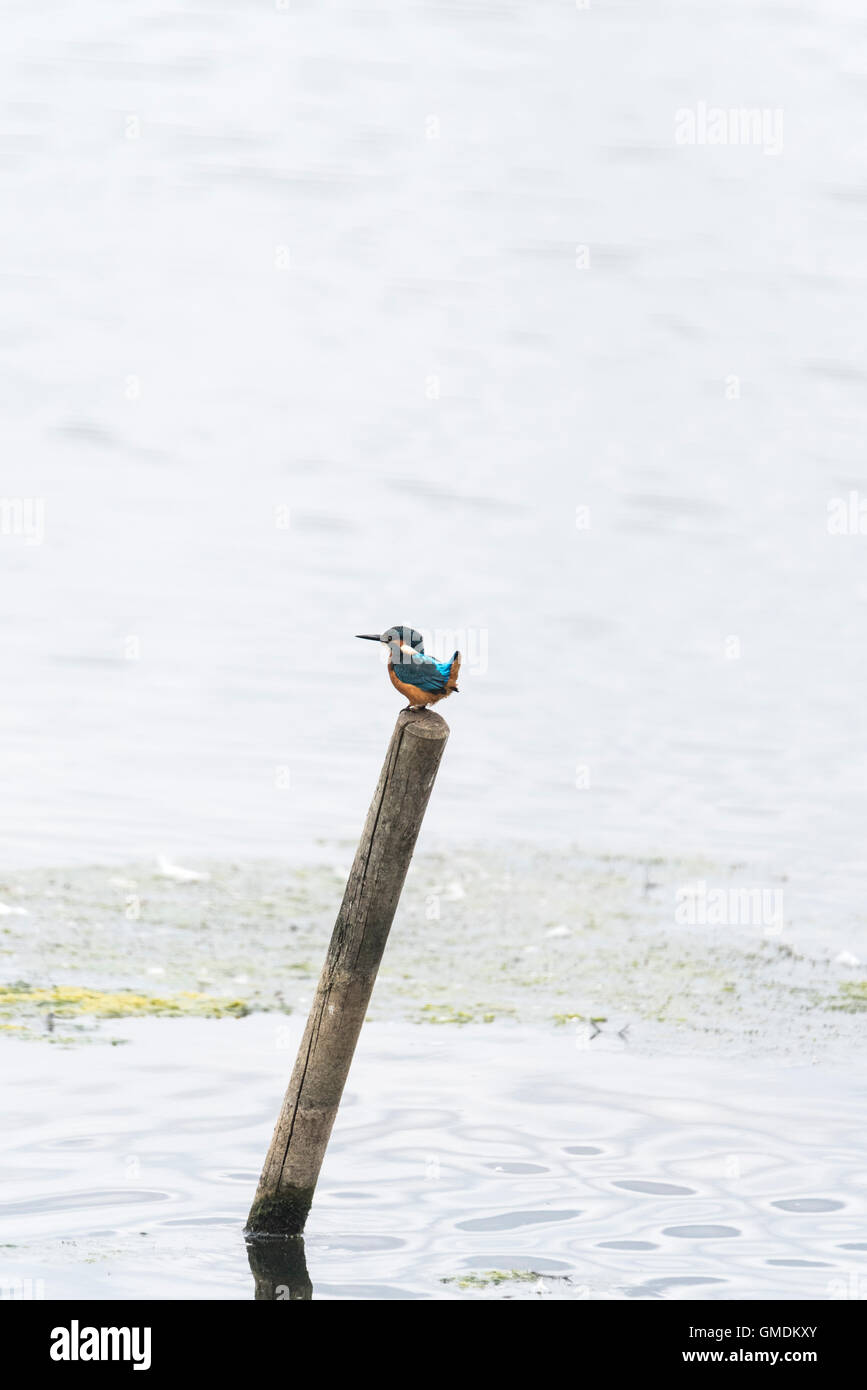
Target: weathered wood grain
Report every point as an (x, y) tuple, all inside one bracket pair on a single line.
[(301, 1135)]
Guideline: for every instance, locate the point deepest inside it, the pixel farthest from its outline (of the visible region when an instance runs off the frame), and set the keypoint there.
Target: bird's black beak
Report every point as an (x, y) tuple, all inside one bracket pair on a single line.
[(368, 636)]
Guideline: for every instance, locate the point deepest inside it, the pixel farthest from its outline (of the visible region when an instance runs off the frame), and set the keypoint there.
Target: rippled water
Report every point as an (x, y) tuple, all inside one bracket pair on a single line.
[(456, 1152)]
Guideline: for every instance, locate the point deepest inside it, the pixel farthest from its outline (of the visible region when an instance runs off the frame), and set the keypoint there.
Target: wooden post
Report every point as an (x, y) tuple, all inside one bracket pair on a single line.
[(376, 878)]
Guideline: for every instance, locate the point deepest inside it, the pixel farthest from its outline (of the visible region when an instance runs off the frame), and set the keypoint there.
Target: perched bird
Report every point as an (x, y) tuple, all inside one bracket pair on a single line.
[(419, 678)]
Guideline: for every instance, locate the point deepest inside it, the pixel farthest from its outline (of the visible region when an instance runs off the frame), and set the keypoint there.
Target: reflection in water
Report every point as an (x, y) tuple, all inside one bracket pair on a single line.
[(279, 1268)]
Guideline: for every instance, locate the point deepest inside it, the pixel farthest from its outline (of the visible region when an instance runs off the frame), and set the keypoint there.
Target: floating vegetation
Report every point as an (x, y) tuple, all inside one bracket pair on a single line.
[(492, 1278), (446, 1013), (852, 997), (480, 936), (70, 1001)]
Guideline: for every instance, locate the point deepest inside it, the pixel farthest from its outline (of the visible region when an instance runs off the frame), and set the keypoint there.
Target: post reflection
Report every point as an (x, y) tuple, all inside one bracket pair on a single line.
[(279, 1268)]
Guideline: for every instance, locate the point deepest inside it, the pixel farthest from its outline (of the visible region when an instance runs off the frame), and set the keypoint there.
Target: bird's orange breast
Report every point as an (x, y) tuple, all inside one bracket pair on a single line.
[(412, 693)]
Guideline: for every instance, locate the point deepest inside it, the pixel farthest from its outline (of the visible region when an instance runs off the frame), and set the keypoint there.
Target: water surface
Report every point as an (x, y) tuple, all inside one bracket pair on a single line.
[(456, 1153)]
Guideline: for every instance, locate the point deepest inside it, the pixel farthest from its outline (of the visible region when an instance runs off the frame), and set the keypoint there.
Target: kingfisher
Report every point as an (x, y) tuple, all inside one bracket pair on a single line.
[(419, 678)]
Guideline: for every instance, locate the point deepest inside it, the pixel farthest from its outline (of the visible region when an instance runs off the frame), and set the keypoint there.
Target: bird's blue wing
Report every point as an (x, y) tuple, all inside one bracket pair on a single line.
[(424, 673)]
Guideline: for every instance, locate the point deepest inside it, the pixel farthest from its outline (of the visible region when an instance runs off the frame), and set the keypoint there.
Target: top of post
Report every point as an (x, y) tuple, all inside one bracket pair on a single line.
[(422, 723)]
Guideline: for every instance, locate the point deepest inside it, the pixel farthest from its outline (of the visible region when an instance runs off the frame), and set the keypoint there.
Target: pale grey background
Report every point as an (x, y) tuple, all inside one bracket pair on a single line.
[(156, 158)]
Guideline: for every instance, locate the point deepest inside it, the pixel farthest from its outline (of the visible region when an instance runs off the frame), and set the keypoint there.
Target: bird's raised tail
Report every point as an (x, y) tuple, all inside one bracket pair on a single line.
[(452, 682)]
